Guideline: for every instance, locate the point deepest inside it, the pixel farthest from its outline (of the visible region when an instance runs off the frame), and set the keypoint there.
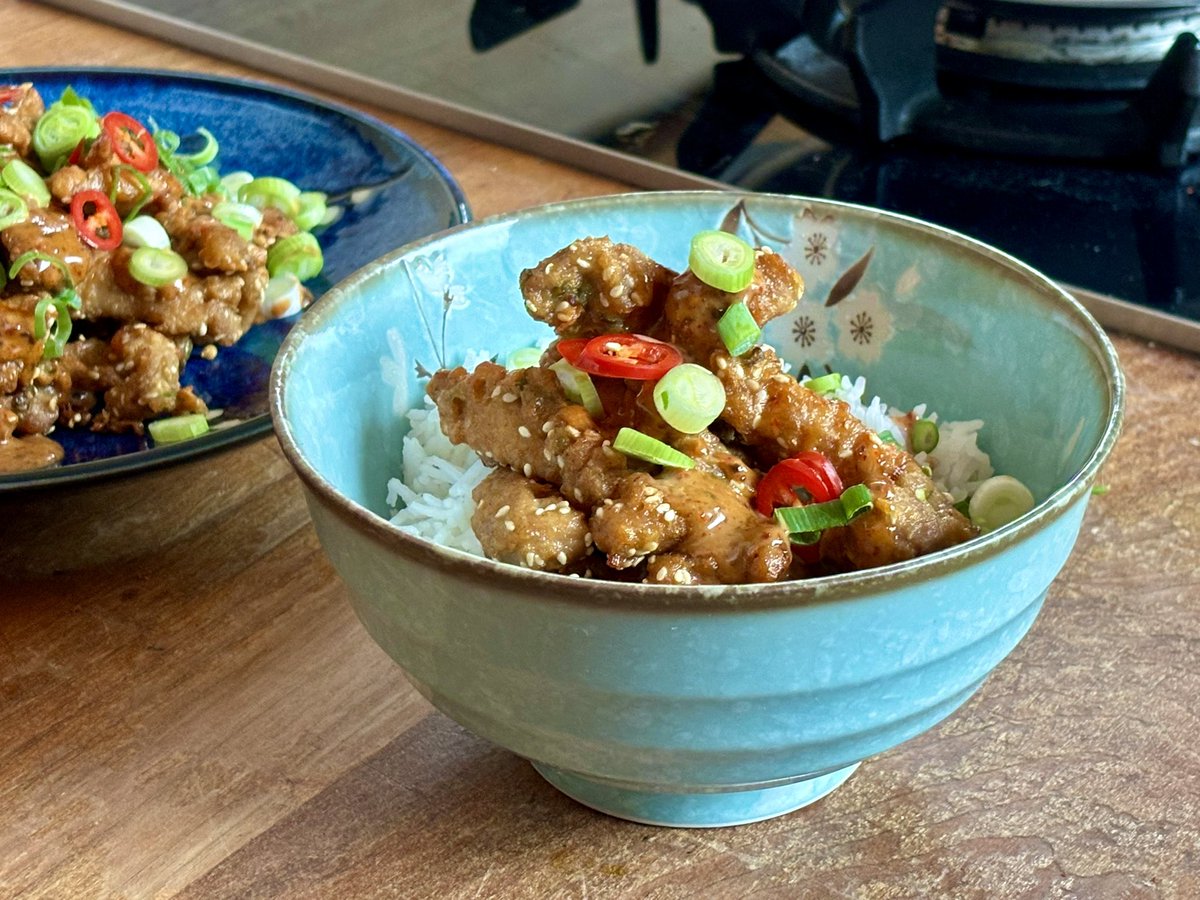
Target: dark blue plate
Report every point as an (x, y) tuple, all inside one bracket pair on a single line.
[(391, 192)]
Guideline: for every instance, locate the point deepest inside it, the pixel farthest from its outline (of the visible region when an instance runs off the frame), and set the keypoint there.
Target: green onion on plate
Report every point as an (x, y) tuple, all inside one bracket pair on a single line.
[(634, 443), (689, 397)]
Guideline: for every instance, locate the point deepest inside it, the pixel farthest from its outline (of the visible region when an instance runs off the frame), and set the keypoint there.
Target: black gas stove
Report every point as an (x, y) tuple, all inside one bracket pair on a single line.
[(1066, 133)]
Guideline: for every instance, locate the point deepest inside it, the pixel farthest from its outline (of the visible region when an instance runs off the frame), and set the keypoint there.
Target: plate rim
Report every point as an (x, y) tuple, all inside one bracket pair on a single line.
[(221, 439)]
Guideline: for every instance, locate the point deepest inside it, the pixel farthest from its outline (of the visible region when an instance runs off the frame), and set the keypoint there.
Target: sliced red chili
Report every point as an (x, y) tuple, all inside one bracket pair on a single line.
[(132, 143), (628, 356), (570, 348), (10, 92), (809, 471), (96, 220)]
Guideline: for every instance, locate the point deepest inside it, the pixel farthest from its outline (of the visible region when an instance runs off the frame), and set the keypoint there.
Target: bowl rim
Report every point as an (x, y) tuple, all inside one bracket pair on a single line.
[(552, 587)]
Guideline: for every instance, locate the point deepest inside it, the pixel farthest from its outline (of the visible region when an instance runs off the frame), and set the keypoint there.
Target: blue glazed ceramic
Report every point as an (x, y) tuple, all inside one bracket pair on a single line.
[(391, 192), (706, 705)]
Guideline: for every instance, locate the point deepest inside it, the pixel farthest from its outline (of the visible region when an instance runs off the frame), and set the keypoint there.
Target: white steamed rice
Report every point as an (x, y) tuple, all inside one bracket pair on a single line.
[(432, 496)]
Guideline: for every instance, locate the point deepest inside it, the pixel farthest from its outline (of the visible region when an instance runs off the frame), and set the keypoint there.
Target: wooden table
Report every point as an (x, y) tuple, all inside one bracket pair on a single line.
[(208, 719)]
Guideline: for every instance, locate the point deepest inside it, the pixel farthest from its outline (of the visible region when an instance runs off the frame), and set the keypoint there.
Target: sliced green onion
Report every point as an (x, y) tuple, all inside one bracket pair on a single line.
[(738, 329), (998, 501), (299, 254), (204, 180), (523, 358), (25, 182), (824, 384), (689, 398), (59, 131), (888, 438), (205, 154), (924, 435), (241, 217), (143, 184), (38, 256), (578, 387), (283, 296), (157, 267), (270, 191), (145, 231), (312, 210), (634, 443), (1099, 490), (232, 182), (178, 428), (806, 523), (12, 209), (722, 260), (69, 97), (54, 331)]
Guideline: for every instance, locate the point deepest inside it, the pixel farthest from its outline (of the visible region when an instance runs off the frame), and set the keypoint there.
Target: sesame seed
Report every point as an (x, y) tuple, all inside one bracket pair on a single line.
[(681, 577), (509, 397), (578, 495), (523, 431), (583, 263), (527, 469), (562, 304), (560, 460), (572, 431), (496, 391), (510, 525), (661, 574), (546, 427), (587, 539), (614, 291), (503, 511), (549, 268), (670, 515), (562, 558), (529, 558), (663, 507), (722, 363), (539, 511)]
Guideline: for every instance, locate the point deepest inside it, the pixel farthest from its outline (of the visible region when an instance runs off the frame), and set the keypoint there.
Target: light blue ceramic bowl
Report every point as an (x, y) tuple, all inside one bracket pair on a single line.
[(706, 705)]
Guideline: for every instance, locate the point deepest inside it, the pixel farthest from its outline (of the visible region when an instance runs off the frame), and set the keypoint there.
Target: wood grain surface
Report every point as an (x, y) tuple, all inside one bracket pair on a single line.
[(194, 711)]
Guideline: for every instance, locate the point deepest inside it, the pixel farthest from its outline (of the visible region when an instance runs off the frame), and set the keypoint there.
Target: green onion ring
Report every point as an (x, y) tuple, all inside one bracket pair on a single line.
[(205, 154), (824, 384), (738, 330), (270, 191), (56, 333), (24, 181), (178, 428), (998, 501), (579, 388), (722, 260), (923, 435), (59, 131), (634, 443), (157, 267), (805, 524), (37, 256), (299, 254), (241, 217), (689, 397), (12, 209), (145, 231)]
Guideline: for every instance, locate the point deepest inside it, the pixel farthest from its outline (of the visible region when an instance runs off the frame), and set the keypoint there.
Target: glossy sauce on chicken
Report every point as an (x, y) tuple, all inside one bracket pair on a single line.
[(623, 517)]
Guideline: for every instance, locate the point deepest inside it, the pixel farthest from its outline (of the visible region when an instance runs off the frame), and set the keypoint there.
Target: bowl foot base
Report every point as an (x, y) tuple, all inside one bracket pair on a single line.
[(694, 810)]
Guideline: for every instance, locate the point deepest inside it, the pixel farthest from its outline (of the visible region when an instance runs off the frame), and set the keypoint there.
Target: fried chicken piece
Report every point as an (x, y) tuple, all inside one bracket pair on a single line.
[(20, 109), (138, 375), (98, 170), (693, 307), (778, 417), (53, 233), (522, 420), (594, 287), (528, 523), (30, 387)]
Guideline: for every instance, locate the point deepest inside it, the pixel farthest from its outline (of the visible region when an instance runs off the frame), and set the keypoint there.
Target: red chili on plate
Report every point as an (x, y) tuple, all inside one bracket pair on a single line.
[(623, 356), (570, 348), (809, 471), (96, 220), (131, 141)]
